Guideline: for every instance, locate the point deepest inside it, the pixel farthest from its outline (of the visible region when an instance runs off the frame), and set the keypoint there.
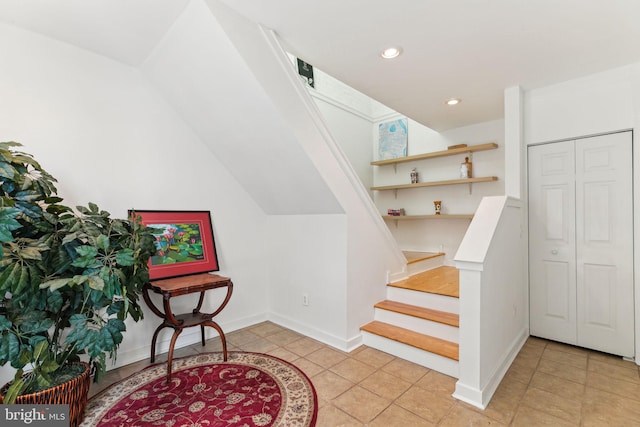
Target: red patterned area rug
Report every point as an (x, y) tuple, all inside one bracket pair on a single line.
[(250, 389)]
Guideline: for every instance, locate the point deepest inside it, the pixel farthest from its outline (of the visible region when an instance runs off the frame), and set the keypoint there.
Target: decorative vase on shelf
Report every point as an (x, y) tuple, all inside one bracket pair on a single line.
[(466, 168), (414, 176)]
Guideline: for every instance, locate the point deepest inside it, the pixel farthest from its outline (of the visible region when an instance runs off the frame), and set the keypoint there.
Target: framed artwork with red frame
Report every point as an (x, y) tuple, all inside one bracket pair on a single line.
[(184, 242)]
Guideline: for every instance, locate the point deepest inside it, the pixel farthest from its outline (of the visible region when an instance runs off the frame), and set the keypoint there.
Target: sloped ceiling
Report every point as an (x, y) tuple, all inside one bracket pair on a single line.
[(190, 61), (471, 49)]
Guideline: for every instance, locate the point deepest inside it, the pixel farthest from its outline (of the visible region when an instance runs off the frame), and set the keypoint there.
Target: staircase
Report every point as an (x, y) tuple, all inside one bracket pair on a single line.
[(419, 319)]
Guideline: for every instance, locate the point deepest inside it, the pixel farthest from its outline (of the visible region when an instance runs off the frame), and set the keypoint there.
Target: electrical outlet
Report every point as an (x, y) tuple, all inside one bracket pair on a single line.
[(305, 299)]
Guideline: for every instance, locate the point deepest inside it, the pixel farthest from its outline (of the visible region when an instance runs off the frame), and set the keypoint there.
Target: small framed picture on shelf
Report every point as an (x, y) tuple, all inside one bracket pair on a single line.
[(184, 242)]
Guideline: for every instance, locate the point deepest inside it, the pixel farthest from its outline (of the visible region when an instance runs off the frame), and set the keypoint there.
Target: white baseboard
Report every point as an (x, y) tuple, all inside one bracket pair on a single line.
[(480, 397)]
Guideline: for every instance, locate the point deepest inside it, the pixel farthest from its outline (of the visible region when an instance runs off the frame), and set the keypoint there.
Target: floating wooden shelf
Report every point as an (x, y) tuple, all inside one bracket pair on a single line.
[(434, 183), (442, 216), (452, 152)]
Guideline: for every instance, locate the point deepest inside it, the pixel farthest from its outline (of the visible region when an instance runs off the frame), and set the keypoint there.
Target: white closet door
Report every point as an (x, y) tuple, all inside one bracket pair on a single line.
[(552, 245), (604, 242), (581, 242)]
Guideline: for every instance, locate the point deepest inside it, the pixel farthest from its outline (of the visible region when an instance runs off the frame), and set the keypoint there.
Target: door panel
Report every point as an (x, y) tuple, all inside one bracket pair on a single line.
[(604, 242), (552, 241)]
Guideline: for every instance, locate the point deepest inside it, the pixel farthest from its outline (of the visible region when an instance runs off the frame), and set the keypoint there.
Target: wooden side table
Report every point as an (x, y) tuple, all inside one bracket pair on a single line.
[(177, 286)]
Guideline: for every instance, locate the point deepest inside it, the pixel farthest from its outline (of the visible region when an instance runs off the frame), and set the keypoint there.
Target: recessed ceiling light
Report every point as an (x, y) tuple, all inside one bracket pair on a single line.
[(391, 52), (453, 101)]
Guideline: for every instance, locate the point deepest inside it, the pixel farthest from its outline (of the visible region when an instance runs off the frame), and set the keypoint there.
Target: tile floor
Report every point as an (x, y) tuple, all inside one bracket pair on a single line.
[(549, 384)]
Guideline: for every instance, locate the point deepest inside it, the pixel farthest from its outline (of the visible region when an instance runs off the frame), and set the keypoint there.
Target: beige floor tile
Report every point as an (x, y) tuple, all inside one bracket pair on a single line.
[(567, 348), (329, 385), (603, 405), (386, 385), (519, 371), (284, 354), (540, 342), (559, 386), (552, 404), (259, 345), (308, 367), (626, 373), (395, 416), (352, 369), (266, 329), (530, 358), (240, 337), (460, 416), (438, 383), (326, 357), (303, 346), (502, 408), (622, 388), (285, 337), (425, 404), (577, 360), (177, 353), (373, 357), (529, 417), (504, 403), (330, 416), (406, 370), (532, 349), (611, 359), (361, 404), (563, 370)]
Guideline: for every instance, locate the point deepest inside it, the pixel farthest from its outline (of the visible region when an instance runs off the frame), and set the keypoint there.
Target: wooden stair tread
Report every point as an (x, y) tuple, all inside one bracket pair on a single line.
[(441, 280), (424, 342), (414, 256), (451, 319)]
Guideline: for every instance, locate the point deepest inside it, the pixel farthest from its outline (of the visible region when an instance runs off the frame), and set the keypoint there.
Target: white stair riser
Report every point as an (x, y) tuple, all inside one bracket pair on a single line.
[(423, 326), (427, 264), (424, 299), (423, 358)]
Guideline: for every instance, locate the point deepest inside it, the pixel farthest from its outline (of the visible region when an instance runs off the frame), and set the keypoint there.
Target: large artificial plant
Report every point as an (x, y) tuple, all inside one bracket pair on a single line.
[(68, 279)]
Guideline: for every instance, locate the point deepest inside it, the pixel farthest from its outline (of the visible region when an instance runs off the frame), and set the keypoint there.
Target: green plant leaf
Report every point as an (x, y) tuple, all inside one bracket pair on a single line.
[(14, 350), (9, 277), (96, 283), (40, 351), (49, 366), (8, 223), (15, 389), (22, 281), (34, 327), (54, 301), (56, 283), (7, 171), (102, 242), (125, 257), (5, 324), (87, 251), (78, 320)]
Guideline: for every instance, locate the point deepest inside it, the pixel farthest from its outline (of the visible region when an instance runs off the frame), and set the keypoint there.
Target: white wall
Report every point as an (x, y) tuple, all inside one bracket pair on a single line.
[(590, 105), (318, 249), (353, 133), (107, 136), (431, 235), (493, 315)]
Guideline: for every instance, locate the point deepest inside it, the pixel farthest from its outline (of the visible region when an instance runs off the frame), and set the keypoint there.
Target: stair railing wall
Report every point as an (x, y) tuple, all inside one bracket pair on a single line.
[(493, 297)]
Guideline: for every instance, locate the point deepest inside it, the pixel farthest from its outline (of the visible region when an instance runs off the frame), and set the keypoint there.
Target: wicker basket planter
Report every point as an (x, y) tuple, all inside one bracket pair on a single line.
[(73, 393)]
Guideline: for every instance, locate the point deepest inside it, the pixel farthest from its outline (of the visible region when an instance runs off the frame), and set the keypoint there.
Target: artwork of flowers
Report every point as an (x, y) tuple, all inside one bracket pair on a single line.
[(177, 243), (184, 242)]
